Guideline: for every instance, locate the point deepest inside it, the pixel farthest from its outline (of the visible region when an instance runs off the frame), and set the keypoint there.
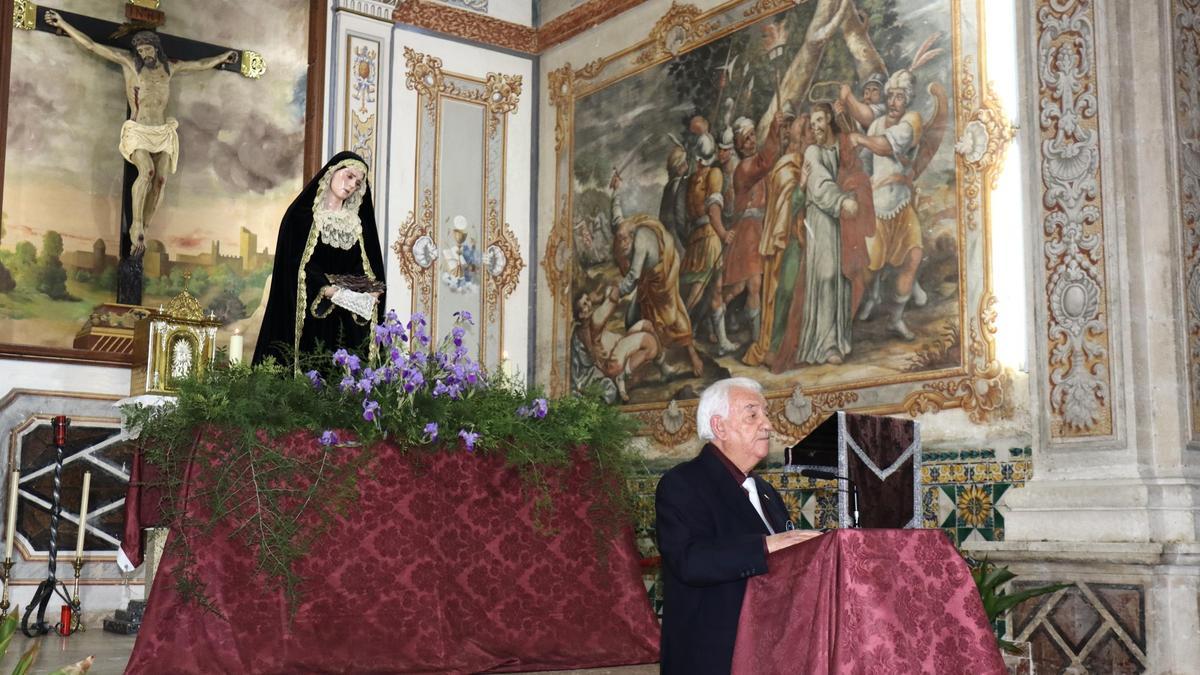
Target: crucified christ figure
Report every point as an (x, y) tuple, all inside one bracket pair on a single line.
[(149, 139)]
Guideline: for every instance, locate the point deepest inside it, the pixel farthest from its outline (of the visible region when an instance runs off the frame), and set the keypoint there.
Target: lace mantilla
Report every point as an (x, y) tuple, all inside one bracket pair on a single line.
[(339, 229)]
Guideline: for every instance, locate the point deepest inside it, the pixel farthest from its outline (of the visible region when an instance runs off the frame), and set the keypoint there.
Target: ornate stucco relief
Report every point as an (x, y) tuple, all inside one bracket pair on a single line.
[(1078, 341), (1186, 38)]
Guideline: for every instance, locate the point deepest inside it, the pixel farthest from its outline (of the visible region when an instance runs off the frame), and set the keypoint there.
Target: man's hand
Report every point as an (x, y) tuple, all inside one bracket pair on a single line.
[(727, 237), (789, 538), (857, 139), (844, 92), (850, 208)]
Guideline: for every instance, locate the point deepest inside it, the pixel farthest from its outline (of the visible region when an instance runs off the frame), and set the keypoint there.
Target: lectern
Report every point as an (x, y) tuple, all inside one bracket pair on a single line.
[(880, 455)]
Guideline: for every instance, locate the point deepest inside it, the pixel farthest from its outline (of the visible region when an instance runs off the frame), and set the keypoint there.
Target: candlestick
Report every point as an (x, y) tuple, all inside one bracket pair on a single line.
[(11, 527), (8, 563), (76, 605), (83, 510), (236, 347)]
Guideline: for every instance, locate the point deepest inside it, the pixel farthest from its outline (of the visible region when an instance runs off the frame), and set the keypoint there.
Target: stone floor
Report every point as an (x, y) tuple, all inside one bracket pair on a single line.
[(112, 653)]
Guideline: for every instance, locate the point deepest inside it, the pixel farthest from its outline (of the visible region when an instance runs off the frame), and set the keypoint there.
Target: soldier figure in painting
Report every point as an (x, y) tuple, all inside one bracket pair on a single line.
[(149, 139), (893, 139)]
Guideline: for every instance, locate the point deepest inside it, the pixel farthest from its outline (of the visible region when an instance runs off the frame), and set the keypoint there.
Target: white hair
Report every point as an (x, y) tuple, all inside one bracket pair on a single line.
[(714, 402)]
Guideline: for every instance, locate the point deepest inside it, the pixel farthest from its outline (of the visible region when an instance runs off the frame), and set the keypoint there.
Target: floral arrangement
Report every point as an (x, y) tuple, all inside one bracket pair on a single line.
[(401, 388)]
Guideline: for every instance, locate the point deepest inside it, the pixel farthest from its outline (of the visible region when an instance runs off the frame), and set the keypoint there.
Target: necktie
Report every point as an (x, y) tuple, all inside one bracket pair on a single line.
[(752, 491)]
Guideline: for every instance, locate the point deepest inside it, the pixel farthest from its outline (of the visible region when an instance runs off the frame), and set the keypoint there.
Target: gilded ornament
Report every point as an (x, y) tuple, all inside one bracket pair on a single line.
[(414, 254), (24, 15), (253, 64), (424, 74), (678, 29)]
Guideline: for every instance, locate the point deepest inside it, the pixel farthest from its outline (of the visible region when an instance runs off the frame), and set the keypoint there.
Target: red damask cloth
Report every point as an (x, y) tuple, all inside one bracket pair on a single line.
[(437, 567), (866, 601)]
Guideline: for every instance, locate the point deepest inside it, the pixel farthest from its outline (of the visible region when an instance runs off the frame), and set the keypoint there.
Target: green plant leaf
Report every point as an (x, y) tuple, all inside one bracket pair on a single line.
[(8, 628), (27, 659), (1008, 601)]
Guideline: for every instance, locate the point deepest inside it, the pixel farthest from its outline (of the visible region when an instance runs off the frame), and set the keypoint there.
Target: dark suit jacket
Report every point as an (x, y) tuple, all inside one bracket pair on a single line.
[(711, 540)]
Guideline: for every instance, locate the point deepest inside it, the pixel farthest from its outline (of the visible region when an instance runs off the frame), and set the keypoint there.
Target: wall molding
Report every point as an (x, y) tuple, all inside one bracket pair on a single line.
[(473, 26)]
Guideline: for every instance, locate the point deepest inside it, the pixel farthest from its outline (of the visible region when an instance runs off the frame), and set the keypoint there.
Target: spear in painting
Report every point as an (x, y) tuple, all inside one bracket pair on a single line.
[(725, 72)]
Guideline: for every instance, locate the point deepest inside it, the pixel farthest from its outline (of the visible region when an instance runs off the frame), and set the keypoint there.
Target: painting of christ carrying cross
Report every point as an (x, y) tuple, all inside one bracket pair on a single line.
[(115, 170)]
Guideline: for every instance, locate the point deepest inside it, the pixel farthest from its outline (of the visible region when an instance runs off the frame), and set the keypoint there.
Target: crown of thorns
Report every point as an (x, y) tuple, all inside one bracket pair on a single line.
[(146, 37)]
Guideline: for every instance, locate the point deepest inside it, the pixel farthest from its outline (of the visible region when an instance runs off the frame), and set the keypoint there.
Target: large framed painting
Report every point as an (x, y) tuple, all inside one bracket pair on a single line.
[(241, 145), (794, 192)]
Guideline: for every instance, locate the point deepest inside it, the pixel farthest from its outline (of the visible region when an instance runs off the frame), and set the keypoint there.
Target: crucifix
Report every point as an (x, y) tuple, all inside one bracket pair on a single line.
[(148, 139)]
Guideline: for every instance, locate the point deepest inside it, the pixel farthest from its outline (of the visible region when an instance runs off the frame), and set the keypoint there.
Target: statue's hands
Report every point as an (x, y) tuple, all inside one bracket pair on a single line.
[(329, 291), (52, 18), (232, 57)]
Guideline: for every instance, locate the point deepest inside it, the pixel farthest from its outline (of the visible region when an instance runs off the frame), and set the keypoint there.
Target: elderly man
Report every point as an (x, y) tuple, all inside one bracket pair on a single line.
[(716, 526)]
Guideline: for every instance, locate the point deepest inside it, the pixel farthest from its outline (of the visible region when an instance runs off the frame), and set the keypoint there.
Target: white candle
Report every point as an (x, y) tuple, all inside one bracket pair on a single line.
[(236, 345), (87, 489), (11, 529)]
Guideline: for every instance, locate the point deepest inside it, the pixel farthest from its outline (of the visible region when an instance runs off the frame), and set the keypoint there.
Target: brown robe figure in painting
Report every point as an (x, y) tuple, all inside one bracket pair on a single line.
[(149, 139), (328, 230), (743, 262), (646, 257)]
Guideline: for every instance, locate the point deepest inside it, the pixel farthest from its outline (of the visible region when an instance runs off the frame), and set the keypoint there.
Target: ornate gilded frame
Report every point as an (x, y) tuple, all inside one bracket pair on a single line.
[(498, 94), (979, 384)]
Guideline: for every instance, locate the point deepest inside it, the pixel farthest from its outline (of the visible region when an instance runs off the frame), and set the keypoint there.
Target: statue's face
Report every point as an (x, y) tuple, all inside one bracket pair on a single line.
[(346, 181), (148, 55)]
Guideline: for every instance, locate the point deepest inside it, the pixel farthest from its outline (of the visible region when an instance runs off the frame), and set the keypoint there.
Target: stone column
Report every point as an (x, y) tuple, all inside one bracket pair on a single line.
[(1113, 504)]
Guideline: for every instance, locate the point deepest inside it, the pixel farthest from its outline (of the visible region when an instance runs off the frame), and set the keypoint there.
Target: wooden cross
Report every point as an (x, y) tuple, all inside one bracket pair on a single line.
[(142, 15)]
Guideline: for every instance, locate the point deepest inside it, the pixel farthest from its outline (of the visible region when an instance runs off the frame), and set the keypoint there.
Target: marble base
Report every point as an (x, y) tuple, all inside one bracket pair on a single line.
[(1105, 509), (1131, 608)]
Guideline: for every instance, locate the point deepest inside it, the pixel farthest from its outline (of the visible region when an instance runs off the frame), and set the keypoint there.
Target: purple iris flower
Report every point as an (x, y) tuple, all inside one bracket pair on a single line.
[(469, 437), (347, 383), (329, 438), (457, 335), (391, 316), (431, 432), (364, 385), (540, 407), (353, 363), (315, 378), (464, 316), (370, 410), (340, 357)]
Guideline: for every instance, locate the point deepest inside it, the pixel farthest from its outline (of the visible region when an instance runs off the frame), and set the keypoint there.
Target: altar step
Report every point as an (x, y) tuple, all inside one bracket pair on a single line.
[(127, 621)]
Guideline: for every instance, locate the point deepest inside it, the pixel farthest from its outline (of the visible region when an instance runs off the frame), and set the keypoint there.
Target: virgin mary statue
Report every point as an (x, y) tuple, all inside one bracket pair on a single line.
[(327, 237)]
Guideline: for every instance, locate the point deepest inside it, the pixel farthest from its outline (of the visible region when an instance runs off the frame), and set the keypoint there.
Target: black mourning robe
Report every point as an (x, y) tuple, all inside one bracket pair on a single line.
[(289, 329)]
